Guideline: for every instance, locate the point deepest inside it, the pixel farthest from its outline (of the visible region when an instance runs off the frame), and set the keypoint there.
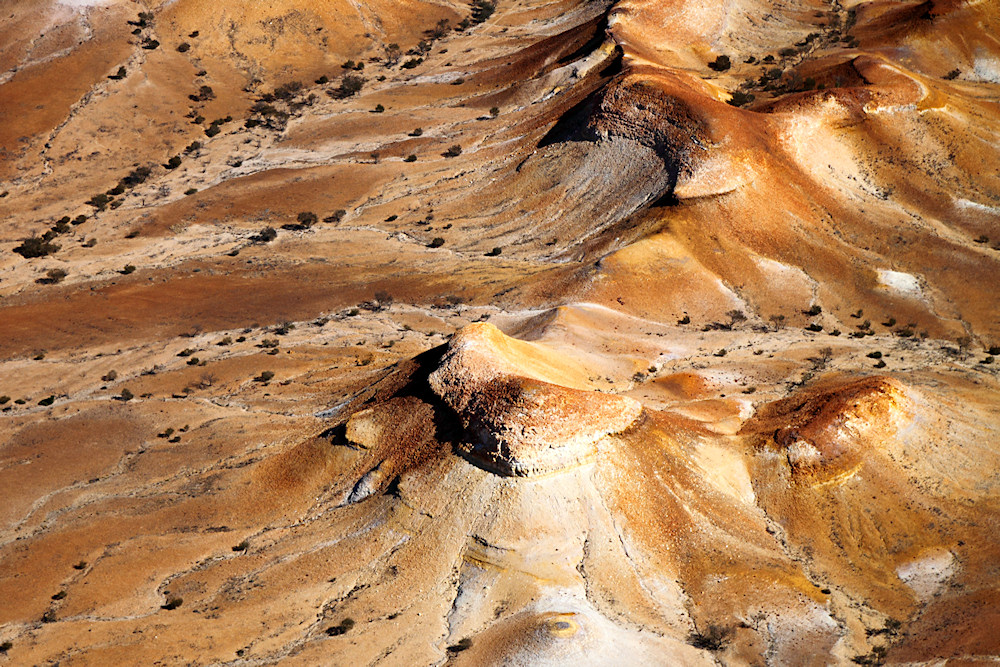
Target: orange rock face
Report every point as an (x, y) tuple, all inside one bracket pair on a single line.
[(536, 332)]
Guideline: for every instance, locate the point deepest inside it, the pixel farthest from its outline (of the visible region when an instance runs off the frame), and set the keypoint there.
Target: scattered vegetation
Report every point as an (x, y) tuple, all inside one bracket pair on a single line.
[(714, 638), (494, 253), (264, 377), (482, 10), (242, 546), (265, 235), (341, 628), (463, 644), (173, 603), (453, 151), (204, 94), (127, 269), (46, 402), (720, 64), (126, 395), (350, 85), (437, 242), (410, 158), (53, 276)]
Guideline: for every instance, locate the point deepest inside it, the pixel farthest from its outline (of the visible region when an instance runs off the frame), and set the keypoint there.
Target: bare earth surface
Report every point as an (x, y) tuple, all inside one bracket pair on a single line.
[(371, 332)]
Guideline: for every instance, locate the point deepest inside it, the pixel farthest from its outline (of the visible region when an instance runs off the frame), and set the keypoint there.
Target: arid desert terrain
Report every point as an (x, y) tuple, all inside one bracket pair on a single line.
[(514, 332)]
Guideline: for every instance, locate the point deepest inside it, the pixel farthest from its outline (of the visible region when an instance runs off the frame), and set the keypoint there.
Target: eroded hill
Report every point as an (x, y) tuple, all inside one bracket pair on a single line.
[(535, 332)]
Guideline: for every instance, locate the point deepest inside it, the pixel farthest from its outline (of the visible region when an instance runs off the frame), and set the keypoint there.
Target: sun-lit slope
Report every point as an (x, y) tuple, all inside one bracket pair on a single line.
[(554, 356)]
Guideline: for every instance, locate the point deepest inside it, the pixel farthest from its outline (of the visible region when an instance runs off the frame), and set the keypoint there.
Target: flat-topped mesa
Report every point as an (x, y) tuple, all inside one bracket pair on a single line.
[(517, 422)]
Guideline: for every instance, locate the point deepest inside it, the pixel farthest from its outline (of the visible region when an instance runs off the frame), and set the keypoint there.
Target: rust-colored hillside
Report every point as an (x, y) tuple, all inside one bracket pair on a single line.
[(528, 332)]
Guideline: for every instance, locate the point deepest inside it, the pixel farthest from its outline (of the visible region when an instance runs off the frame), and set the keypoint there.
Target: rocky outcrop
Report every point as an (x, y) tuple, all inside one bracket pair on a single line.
[(516, 424)]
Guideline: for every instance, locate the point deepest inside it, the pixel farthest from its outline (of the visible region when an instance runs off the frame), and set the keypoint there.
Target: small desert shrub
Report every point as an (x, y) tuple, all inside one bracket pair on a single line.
[(80, 565), (684, 320), (173, 603), (307, 218), (265, 235), (204, 94), (150, 44), (342, 628), (741, 99), (212, 130), (242, 546), (4, 400), (225, 341), (813, 311), (814, 327), (336, 216), (453, 151), (53, 276), (61, 595), (128, 268), (720, 64), (417, 132), (411, 63), (495, 252), (410, 158), (482, 10), (436, 243), (349, 85), (46, 402), (191, 191), (284, 328), (119, 75), (714, 638), (183, 47), (127, 395), (462, 645), (6, 646), (265, 376), (173, 162), (99, 201), (378, 108), (494, 111)]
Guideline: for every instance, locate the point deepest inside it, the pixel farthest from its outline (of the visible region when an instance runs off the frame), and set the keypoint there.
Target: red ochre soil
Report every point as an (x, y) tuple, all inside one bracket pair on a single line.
[(671, 363)]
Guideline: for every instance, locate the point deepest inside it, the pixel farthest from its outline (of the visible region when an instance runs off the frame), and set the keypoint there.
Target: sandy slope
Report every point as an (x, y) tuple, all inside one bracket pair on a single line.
[(636, 376)]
